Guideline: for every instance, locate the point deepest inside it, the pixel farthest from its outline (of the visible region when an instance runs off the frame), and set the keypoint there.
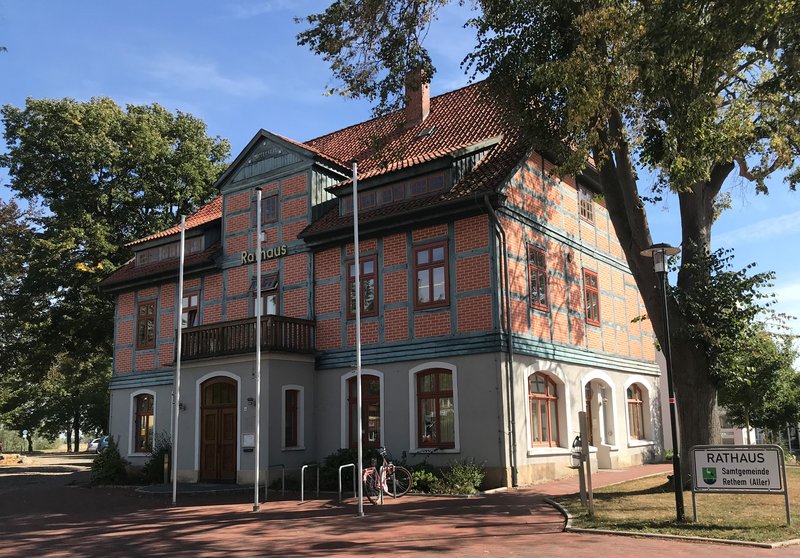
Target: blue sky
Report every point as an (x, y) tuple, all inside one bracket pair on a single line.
[(236, 65)]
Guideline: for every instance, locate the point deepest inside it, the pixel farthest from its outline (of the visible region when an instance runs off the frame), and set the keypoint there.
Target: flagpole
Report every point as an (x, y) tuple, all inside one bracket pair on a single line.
[(256, 505), (179, 338), (360, 443)]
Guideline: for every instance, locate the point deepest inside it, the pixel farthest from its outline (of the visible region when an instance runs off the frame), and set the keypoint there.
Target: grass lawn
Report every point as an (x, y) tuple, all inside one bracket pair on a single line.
[(648, 505)]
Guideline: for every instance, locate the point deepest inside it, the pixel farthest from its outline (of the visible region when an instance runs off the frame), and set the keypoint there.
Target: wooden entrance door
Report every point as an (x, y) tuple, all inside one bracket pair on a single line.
[(218, 445)]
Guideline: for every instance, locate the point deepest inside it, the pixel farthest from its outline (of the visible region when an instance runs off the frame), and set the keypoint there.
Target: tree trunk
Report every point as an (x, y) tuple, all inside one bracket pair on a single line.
[(76, 423), (695, 390), (696, 396), (69, 438), (30, 442)]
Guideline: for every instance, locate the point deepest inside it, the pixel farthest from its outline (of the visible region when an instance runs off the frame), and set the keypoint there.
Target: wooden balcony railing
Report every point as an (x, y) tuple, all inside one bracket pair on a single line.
[(278, 333)]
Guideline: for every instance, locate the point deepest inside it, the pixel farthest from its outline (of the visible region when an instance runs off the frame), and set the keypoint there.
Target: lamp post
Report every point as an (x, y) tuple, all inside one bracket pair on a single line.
[(660, 253)]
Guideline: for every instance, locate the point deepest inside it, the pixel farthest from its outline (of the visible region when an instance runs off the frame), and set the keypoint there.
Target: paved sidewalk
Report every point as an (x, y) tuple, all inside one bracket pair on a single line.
[(54, 518)]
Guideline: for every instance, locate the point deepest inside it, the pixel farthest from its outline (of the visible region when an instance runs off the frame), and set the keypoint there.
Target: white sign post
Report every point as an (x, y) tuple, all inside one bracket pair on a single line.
[(739, 470)]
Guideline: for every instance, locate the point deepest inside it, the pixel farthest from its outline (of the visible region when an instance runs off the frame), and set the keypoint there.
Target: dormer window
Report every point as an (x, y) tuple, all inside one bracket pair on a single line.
[(394, 193), (168, 251)]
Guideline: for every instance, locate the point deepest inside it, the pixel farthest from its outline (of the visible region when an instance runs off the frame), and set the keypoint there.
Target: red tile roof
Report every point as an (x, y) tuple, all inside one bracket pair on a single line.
[(209, 212), (459, 119)]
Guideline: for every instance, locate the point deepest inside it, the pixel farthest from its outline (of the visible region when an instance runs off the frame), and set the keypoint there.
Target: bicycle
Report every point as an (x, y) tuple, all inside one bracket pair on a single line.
[(390, 479)]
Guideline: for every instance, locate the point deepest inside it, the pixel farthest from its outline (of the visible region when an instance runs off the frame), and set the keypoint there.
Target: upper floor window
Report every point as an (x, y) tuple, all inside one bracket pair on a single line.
[(435, 409), (368, 281), (169, 251), (190, 306), (269, 294), (585, 201), (591, 295), (143, 423), (146, 325), (393, 193), (367, 200), (269, 209), (537, 271), (430, 270), (543, 397)]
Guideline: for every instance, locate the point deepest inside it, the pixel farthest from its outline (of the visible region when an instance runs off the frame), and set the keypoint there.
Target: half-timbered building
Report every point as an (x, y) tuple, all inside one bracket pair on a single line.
[(496, 304)]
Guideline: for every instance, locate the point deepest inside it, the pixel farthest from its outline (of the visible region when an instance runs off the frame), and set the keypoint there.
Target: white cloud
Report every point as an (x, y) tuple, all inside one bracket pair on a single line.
[(182, 73), (761, 230)]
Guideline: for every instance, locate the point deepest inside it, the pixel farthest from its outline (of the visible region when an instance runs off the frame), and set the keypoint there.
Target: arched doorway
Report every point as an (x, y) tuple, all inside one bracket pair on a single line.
[(218, 403)]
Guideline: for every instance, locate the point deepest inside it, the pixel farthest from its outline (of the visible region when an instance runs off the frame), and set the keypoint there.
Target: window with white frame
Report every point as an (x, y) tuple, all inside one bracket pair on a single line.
[(543, 399), (636, 397), (143, 422), (436, 416)]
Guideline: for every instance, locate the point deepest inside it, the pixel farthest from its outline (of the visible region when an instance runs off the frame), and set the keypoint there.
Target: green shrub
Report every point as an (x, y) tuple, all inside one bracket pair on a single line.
[(153, 470), (424, 480), (462, 476), (109, 467)]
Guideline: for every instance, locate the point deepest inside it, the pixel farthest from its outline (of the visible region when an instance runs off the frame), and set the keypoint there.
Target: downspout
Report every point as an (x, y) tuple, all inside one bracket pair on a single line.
[(512, 424)]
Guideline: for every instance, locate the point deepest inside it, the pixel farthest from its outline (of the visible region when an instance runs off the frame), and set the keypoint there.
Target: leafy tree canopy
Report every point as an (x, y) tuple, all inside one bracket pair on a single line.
[(689, 89), (99, 177)]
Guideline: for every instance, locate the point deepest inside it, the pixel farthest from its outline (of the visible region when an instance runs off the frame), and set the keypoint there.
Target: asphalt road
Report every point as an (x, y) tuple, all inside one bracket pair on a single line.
[(48, 509)]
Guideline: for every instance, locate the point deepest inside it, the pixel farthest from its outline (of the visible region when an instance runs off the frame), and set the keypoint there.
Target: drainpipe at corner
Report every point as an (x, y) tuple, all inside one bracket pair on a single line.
[(512, 424)]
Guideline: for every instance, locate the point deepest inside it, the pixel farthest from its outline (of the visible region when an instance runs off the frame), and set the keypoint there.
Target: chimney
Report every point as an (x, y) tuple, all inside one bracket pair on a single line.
[(418, 98)]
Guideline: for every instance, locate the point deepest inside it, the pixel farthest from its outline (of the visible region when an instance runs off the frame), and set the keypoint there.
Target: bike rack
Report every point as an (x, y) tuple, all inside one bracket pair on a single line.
[(283, 478), (303, 478), (353, 465)]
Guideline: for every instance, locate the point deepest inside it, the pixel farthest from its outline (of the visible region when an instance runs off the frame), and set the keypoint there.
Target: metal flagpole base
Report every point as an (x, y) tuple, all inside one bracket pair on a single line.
[(256, 508)]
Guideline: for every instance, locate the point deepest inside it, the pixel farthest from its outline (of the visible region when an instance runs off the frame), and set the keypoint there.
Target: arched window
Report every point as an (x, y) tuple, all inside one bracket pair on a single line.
[(543, 397), (635, 412), (143, 423)]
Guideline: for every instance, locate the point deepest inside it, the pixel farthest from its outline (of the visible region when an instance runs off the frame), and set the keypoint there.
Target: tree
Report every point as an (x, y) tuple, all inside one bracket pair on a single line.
[(690, 90), (765, 391), (100, 176)]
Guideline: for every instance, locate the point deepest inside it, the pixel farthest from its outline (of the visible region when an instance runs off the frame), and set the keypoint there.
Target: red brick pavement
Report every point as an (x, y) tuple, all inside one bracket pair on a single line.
[(51, 518)]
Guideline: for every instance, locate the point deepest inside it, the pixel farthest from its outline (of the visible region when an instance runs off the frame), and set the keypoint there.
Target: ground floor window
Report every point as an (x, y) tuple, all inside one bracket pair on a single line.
[(143, 423), (435, 409), (292, 417), (370, 411), (635, 412), (543, 398)]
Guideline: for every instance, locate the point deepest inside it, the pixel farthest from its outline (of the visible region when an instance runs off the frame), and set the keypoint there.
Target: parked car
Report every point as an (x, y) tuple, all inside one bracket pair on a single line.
[(102, 444), (92, 447)]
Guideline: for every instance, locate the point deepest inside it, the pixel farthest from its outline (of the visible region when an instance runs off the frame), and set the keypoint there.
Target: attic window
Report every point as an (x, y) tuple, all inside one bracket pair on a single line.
[(425, 132)]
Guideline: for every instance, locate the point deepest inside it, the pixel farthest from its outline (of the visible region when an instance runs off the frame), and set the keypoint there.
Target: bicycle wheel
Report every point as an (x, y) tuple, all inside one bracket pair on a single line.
[(398, 482), (372, 488)]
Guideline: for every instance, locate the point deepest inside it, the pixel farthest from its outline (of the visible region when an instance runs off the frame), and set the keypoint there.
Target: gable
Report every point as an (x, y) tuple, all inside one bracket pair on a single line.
[(266, 157)]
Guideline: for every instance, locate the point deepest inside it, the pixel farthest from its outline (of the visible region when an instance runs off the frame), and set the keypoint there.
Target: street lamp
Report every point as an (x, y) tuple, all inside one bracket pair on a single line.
[(660, 253)]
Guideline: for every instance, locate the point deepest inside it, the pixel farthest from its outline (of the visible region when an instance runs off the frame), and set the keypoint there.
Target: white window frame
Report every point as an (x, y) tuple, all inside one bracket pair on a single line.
[(565, 419), (301, 397), (647, 409), (132, 420), (344, 435), (412, 407)]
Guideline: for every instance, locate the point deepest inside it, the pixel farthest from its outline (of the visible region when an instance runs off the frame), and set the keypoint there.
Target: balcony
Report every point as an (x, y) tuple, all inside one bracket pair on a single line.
[(278, 333)]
